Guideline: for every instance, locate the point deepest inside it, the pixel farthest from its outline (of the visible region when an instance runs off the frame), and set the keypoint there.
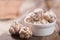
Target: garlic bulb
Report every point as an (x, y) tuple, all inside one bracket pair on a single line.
[(15, 27), (50, 16), (25, 32)]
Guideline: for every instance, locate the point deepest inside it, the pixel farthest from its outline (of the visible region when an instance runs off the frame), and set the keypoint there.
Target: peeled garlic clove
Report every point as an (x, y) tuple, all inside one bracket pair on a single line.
[(25, 32)]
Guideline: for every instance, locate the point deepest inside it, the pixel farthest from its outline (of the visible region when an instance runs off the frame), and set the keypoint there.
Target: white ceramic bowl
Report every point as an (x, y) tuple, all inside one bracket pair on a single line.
[(41, 29)]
